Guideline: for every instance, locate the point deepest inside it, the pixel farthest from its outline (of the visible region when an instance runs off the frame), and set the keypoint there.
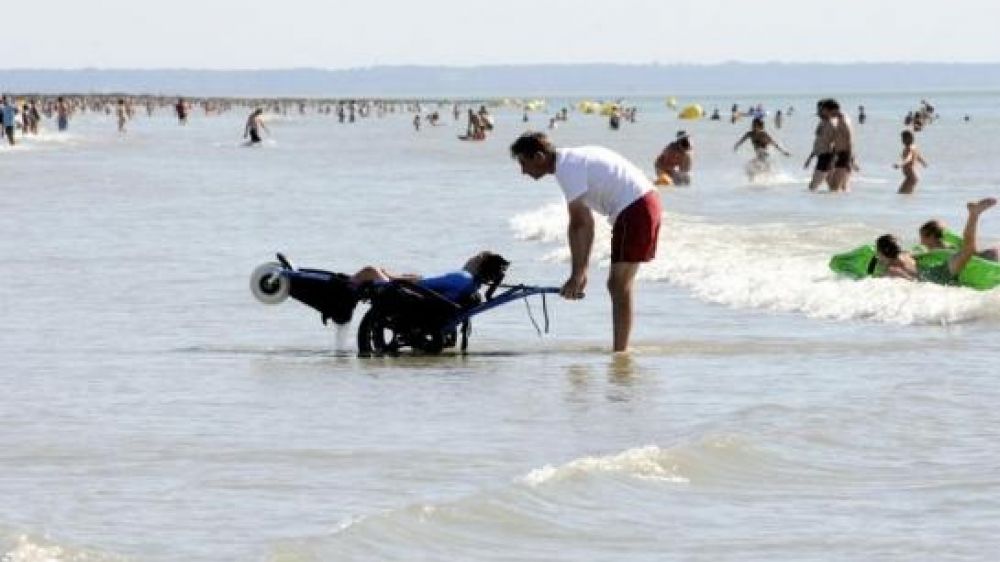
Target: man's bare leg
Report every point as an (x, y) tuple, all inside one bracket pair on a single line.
[(818, 179), (969, 235), (620, 286)]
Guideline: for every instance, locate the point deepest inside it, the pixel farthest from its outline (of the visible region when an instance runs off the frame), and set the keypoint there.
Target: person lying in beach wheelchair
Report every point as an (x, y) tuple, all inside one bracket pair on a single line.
[(426, 314)]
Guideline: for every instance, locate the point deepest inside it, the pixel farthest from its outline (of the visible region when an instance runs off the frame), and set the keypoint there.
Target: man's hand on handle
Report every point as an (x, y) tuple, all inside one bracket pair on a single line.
[(573, 288)]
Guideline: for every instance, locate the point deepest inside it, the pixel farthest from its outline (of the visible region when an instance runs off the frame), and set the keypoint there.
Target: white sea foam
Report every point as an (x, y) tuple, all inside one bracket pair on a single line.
[(24, 548), (777, 267), (651, 462)]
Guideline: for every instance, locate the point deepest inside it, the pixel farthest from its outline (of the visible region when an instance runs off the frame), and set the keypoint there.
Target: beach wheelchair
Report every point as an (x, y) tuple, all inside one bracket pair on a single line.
[(401, 314)]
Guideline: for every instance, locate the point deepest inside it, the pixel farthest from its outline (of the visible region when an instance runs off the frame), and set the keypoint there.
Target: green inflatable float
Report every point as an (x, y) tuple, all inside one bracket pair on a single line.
[(978, 274)]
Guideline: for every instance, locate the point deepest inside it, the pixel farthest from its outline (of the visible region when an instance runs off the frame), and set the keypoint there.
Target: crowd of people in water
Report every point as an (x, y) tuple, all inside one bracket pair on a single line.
[(832, 157), (593, 179)]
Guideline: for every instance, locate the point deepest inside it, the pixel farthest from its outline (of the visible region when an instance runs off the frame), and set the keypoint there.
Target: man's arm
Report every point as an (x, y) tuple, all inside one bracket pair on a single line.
[(580, 235)]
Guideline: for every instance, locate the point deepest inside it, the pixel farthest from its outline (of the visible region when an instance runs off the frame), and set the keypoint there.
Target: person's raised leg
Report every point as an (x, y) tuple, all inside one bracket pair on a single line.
[(620, 281), (969, 235)]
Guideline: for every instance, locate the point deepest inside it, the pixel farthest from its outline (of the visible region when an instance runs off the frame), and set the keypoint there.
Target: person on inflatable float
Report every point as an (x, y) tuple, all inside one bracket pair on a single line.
[(901, 264), (932, 237)]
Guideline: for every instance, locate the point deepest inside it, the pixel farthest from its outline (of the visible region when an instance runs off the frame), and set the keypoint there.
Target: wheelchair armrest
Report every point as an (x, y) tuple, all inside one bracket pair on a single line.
[(429, 294)]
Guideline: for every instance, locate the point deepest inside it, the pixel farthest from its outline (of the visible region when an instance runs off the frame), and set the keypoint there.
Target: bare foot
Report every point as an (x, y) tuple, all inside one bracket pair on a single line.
[(976, 208)]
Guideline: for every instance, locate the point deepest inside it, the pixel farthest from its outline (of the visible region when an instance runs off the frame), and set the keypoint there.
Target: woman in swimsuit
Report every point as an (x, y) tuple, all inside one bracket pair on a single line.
[(908, 164), (761, 141)]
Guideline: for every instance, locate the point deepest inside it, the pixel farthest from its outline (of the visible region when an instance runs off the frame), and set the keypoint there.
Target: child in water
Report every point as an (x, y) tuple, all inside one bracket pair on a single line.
[(910, 157)]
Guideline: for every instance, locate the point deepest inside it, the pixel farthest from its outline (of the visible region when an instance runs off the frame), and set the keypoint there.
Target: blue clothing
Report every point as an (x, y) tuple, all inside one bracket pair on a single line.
[(8, 112), (455, 286)]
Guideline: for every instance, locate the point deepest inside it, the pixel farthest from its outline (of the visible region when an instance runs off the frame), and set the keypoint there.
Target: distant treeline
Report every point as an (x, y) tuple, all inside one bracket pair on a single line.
[(517, 81)]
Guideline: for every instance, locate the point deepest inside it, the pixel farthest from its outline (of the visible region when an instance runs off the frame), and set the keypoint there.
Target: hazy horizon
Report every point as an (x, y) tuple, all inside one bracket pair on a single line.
[(505, 65), (258, 34)]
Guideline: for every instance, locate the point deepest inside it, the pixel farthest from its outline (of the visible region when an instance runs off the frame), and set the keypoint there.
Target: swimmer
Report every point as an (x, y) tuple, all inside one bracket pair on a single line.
[(822, 147), (675, 160), (715, 115), (761, 141), (122, 115), (182, 111), (908, 164), (36, 117), (932, 237), (862, 116), (779, 119), (475, 129), (8, 116), (255, 122), (615, 119), (843, 147), (901, 265), (416, 122)]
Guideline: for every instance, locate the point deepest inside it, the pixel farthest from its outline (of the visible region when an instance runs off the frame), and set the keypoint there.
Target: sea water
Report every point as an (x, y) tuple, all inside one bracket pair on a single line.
[(769, 411)]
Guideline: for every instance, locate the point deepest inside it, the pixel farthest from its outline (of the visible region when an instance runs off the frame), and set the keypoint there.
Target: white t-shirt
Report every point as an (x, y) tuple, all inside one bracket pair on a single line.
[(607, 181)]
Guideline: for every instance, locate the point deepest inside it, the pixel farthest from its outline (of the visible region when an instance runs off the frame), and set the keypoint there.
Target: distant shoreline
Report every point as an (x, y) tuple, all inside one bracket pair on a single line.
[(496, 82)]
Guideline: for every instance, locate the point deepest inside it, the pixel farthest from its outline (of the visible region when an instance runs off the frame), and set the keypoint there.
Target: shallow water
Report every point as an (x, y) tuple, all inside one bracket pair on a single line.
[(770, 411)]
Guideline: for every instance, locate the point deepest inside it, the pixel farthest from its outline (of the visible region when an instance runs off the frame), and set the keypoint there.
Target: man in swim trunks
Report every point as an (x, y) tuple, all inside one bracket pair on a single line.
[(8, 116), (843, 148), (822, 147), (675, 160), (901, 264), (62, 114), (182, 111), (456, 285), (254, 125), (594, 178)]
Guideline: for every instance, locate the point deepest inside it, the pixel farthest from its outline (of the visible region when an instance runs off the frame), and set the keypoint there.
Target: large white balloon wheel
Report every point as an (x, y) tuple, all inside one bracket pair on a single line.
[(268, 285)]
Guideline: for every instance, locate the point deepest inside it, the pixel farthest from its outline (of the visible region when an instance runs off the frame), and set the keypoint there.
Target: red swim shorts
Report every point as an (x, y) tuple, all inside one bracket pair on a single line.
[(634, 234)]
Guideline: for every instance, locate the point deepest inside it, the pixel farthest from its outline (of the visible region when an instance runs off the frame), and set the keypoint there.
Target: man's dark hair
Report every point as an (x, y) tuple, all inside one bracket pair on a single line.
[(830, 104), (888, 246), (932, 228), (531, 143)]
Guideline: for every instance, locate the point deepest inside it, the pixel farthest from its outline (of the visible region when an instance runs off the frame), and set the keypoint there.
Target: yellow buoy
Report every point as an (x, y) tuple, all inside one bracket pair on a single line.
[(694, 111)]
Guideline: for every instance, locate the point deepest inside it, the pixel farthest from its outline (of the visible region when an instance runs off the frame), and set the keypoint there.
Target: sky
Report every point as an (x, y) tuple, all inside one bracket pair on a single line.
[(250, 34)]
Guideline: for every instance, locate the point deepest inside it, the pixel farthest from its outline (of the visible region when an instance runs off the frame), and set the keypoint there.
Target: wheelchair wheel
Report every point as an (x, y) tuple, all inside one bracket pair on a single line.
[(430, 343), (376, 336), (268, 285)]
